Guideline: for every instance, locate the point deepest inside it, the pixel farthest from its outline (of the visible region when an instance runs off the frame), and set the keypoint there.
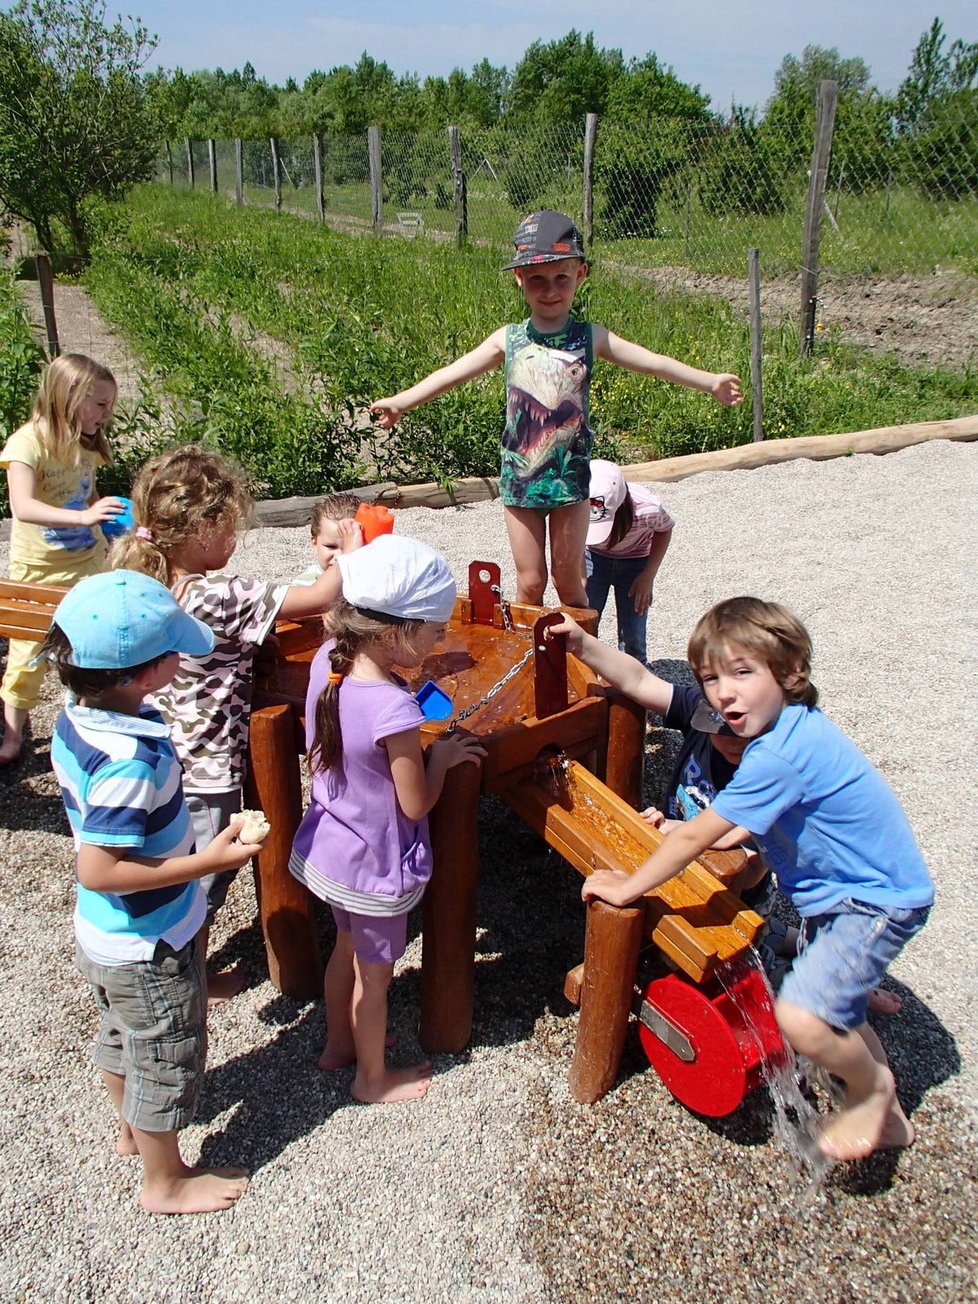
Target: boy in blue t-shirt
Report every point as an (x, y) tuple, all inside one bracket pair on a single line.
[(835, 836), (116, 638)]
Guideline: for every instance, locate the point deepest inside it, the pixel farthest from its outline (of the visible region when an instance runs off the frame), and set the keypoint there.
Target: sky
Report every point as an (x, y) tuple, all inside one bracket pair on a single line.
[(730, 48)]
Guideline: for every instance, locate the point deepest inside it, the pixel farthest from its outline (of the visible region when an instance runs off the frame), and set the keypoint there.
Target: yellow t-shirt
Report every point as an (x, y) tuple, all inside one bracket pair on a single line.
[(56, 484)]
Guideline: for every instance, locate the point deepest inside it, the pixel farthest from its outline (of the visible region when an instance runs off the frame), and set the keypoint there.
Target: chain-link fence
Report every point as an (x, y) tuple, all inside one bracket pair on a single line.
[(677, 202)]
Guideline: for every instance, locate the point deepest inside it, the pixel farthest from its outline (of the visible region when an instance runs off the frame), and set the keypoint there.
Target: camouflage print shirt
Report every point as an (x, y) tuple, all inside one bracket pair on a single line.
[(208, 704), (547, 441)]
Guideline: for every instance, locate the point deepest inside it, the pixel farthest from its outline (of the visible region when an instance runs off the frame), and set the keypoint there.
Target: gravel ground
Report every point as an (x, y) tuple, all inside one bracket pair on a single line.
[(499, 1186)]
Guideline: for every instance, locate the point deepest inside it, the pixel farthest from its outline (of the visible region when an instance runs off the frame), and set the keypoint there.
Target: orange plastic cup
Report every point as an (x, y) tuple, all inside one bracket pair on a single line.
[(374, 520)]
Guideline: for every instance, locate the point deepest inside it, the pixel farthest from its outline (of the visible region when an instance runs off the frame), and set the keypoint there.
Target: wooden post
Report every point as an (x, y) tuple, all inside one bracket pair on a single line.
[(458, 186), (448, 952), (688, 220), (238, 173), (317, 165), (285, 907), (754, 286), (828, 94), (212, 162), (276, 174), (376, 178), (590, 136), (169, 162), (190, 162), (45, 280), (611, 945), (625, 766)]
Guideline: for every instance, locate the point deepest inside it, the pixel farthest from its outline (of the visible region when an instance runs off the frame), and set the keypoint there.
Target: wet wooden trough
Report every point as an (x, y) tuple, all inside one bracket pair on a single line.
[(553, 703)]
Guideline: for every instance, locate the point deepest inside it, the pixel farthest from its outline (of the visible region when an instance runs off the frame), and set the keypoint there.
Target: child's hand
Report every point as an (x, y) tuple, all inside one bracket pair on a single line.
[(389, 410), (609, 885), (102, 510), (224, 852), (458, 749), (570, 627), (726, 389), (658, 820), (640, 592), (351, 535)]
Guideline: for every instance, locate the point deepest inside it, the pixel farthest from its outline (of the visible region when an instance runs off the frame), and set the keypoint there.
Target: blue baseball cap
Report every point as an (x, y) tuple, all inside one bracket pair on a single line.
[(123, 618)]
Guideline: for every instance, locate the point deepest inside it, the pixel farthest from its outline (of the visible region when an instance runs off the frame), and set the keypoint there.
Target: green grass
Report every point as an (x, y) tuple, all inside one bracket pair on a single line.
[(216, 298)]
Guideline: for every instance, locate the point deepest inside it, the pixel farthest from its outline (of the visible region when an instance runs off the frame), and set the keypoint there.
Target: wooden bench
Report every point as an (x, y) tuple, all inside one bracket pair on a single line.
[(26, 609)]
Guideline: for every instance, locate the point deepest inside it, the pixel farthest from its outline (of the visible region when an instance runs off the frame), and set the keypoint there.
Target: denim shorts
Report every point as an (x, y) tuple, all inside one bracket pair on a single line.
[(151, 1032), (843, 955), (377, 939)]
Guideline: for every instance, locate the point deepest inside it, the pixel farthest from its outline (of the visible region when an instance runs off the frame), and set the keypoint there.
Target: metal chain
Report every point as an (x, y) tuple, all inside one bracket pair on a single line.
[(500, 683), (503, 608)]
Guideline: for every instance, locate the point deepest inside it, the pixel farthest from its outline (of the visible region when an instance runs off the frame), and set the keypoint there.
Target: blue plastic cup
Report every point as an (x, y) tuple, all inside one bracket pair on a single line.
[(121, 523), (434, 702)]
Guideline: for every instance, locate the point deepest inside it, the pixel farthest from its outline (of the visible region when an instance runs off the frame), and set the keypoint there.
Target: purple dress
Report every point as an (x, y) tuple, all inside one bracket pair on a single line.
[(355, 848)]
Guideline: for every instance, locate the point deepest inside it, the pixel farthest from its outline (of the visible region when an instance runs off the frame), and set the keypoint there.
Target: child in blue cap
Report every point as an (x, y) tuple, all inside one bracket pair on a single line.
[(544, 479), (117, 638)]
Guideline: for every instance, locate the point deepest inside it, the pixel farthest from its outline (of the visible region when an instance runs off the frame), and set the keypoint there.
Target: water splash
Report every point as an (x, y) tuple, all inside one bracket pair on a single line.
[(790, 1079)]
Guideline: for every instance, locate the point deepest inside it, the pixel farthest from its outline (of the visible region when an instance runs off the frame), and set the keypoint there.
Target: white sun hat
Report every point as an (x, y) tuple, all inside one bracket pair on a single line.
[(398, 578)]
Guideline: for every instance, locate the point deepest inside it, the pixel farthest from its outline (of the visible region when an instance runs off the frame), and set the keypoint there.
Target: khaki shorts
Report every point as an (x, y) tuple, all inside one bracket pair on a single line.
[(152, 1033)]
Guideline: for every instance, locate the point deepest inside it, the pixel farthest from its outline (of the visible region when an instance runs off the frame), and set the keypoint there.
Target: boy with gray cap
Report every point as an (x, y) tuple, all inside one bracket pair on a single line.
[(116, 638), (549, 357)]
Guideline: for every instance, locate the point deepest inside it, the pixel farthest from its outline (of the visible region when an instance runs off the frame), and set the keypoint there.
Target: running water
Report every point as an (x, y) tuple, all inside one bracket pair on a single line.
[(797, 1121)]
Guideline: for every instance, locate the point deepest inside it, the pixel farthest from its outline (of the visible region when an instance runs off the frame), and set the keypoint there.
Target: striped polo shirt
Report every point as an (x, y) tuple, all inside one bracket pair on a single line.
[(121, 784)]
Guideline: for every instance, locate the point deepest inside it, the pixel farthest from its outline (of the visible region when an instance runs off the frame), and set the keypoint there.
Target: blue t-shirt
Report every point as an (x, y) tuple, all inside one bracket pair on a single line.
[(824, 818)]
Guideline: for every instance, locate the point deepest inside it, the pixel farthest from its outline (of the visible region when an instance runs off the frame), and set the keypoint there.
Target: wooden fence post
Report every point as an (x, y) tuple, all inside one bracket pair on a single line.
[(276, 174), (238, 173), (317, 165), (169, 162), (458, 186), (45, 281), (212, 163), (828, 94), (190, 161), (590, 136), (376, 178), (754, 286)]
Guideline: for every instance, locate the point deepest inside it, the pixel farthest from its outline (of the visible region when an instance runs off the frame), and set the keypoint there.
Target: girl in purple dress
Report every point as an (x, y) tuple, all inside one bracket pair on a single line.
[(363, 845)]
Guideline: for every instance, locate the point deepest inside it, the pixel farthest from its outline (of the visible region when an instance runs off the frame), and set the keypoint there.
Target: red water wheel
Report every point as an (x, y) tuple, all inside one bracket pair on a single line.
[(706, 1045)]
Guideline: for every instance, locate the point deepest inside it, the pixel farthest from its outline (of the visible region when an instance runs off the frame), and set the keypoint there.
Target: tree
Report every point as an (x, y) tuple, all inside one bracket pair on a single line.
[(75, 123), (935, 74), (561, 81)]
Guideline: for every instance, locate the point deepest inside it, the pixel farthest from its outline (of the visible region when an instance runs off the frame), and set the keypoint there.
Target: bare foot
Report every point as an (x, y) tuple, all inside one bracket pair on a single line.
[(396, 1084), (339, 1057), (898, 1132), (125, 1142), (202, 1190), (883, 1002), (857, 1129), (10, 748), (222, 986)]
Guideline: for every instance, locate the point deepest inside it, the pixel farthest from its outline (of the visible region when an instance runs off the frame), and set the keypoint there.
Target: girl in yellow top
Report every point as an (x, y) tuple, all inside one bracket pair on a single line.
[(51, 464)]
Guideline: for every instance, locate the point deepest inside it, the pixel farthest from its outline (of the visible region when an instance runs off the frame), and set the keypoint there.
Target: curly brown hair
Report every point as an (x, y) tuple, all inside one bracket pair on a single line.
[(175, 495)]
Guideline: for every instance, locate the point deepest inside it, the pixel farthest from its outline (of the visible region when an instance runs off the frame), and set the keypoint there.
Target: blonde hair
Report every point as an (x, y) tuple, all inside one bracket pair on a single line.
[(334, 507), (764, 630), (353, 631), (174, 496), (66, 383)]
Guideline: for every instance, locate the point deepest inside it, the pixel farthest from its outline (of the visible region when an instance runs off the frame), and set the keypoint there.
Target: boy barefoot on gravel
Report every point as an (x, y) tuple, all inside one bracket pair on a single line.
[(838, 841), (547, 441), (116, 638)]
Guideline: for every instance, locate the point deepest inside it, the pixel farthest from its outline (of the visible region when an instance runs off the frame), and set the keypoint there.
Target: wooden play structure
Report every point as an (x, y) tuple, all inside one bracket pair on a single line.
[(529, 702)]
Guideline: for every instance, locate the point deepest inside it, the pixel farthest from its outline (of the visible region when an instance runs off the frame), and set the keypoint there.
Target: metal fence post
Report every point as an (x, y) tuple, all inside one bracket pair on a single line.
[(190, 161), (590, 137), (212, 163), (828, 94), (754, 285)]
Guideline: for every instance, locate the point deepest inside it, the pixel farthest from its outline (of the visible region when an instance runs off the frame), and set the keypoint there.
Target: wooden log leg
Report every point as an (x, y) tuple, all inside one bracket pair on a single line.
[(611, 949), (448, 953), (625, 767), (288, 923)]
